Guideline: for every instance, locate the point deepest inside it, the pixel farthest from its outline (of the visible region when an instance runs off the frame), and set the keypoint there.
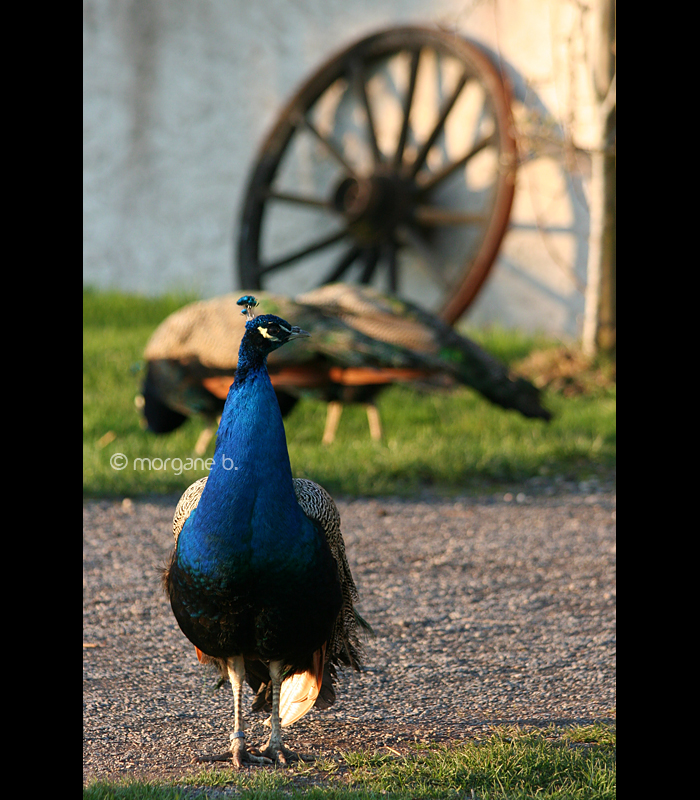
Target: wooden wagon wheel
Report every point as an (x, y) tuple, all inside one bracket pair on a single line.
[(394, 164)]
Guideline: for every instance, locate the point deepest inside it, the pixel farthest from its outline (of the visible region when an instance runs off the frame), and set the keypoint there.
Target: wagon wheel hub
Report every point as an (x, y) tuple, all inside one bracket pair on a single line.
[(374, 206)]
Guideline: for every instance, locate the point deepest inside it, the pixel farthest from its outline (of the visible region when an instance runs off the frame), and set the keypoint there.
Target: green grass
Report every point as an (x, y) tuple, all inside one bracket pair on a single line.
[(576, 763), (448, 441)]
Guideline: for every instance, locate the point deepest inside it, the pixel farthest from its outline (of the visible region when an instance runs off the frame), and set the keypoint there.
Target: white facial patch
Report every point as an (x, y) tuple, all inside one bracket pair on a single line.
[(269, 336)]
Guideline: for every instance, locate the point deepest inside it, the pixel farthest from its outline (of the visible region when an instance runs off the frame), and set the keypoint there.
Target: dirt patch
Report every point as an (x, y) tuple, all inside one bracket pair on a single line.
[(487, 611), (567, 371)]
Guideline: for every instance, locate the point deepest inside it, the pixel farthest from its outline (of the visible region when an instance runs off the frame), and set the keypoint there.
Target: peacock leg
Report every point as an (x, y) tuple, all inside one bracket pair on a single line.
[(206, 436), (240, 756), (238, 753), (274, 748), (375, 423), (203, 440), (333, 412)]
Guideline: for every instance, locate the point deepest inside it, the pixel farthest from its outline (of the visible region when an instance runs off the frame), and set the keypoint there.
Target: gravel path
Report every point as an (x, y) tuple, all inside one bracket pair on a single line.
[(496, 610)]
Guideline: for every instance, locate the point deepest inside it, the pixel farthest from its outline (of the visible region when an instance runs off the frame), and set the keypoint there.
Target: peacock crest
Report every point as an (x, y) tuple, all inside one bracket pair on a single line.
[(249, 303)]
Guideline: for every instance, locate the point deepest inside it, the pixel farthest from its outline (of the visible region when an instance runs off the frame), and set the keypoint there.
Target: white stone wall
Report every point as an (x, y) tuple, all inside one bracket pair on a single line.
[(179, 93)]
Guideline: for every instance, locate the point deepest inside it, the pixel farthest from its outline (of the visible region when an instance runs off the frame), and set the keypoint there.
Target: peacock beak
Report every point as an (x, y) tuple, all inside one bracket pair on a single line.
[(298, 333)]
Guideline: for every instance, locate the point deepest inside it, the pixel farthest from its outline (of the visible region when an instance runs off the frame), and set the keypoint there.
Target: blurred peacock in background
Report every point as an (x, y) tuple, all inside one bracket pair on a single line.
[(259, 581), (363, 341)]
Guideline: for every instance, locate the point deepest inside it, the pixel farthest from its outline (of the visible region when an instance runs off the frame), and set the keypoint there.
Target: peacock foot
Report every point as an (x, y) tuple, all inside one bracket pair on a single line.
[(279, 754), (238, 754), (242, 756)]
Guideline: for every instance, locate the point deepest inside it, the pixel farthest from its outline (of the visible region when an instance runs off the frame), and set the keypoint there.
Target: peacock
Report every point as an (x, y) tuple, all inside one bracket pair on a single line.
[(259, 580), (363, 341)]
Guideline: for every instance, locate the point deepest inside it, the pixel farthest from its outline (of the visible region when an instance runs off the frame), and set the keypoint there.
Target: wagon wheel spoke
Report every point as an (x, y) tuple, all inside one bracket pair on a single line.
[(300, 199), (417, 241), (447, 171), (392, 265), (357, 77), (440, 124), (343, 265), (370, 258), (327, 241), (330, 147), (407, 103)]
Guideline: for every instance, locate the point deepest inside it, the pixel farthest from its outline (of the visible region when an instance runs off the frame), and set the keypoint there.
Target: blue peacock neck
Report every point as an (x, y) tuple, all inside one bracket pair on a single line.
[(251, 426), (248, 509)]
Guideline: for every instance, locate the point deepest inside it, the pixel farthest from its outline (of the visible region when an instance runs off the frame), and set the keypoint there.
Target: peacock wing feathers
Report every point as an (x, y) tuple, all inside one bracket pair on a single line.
[(384, 318), (344, 646), (187, 504)]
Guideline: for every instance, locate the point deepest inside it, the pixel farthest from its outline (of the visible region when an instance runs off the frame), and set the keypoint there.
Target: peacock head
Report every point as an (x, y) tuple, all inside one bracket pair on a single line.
[(267, 332)]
